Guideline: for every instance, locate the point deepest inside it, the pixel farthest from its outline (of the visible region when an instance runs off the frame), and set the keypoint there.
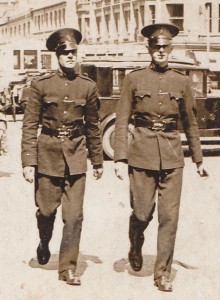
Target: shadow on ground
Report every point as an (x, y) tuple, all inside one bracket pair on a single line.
[(54, 259), (5, 174), (123, 265)]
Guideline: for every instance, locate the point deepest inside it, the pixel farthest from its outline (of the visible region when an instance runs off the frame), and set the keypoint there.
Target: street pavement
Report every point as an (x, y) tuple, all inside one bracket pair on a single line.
[(103, 265)]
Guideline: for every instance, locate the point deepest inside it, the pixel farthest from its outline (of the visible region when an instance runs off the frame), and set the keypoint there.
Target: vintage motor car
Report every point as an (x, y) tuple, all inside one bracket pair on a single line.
[(109, 76)]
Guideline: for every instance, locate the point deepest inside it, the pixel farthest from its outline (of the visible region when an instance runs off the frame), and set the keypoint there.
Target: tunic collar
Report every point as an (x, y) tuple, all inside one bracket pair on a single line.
[(159, 69), (70, 76)]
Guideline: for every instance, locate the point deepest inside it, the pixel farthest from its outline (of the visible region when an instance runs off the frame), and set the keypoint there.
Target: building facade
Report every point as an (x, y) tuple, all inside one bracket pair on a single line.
[(110, 28)]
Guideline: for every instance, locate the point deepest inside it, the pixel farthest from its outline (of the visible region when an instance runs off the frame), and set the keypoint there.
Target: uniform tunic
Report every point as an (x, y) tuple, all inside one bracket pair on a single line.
[(156, 96), (58, 102)]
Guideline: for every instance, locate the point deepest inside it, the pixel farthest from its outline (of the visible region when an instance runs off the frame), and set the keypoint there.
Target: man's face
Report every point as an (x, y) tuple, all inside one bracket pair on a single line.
[(67, 58), (160, 54)]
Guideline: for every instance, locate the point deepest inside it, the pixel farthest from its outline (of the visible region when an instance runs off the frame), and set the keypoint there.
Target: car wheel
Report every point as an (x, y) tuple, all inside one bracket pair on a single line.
[(108, 138)]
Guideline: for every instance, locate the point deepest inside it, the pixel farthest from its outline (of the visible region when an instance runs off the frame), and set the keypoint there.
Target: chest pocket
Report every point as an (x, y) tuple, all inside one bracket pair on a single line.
[(50, 104), (141, 100), (77, 109)]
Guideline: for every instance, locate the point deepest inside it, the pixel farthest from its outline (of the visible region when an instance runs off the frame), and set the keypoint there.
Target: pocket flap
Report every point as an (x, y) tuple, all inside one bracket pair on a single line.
[(142, 93), (176, 95), (51, 99), (80, 102)]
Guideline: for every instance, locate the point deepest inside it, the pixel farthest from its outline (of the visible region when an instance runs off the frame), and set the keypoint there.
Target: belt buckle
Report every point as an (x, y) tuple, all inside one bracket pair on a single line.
[(158, 125), (63, 133)]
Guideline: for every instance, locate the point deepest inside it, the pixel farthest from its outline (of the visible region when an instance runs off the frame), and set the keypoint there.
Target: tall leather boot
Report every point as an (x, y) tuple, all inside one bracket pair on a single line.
[(45, 226), (136, 235)]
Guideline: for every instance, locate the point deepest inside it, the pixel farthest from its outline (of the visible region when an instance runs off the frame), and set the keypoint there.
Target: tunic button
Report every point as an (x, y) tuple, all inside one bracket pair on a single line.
[(62, 140), (159, 116), (66, 84), (160, 77), (66, 98), (160, 103), (65, 112), (63, 126), (160, 91)]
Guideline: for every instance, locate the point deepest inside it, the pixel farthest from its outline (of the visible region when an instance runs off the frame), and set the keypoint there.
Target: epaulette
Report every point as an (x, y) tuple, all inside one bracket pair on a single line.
[(85, 77), (138, 69), (178, 71), (45, 76)]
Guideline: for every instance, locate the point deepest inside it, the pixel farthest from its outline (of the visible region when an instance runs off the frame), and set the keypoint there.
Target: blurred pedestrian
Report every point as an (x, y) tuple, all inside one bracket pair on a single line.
[(158, 97), (65, 103)]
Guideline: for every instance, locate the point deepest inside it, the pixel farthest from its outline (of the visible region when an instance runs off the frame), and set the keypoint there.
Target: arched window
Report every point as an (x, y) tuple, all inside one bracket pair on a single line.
[(24, 29), (60, 17)]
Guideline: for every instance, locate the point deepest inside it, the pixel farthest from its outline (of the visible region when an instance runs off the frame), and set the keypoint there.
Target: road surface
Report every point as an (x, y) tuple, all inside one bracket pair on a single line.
[(103, 265)]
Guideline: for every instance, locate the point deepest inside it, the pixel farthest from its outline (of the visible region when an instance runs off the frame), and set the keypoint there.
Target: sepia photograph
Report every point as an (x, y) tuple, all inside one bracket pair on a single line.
[(109, 149)]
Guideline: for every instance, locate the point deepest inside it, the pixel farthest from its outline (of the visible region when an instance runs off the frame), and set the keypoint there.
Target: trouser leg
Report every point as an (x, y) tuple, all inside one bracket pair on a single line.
[(48, 193), (169, 194), (142, 202), (72, 213), (45, 227)]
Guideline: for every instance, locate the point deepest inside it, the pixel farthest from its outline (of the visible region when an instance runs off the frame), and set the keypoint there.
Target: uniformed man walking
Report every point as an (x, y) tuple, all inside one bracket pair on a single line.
[(157, 97), (65, 103)]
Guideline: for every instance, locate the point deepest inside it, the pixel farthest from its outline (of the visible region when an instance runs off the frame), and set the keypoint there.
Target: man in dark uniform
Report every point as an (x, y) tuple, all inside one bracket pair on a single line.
[(65, 103), (157, 97)]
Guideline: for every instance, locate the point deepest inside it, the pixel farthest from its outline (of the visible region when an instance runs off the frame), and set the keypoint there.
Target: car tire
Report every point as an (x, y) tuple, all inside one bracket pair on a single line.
[(108, 138)]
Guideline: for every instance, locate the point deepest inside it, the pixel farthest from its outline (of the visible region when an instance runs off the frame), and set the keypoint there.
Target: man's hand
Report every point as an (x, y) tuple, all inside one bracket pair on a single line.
[(201, 170), (121, 169), (97, 171), (29, 173)]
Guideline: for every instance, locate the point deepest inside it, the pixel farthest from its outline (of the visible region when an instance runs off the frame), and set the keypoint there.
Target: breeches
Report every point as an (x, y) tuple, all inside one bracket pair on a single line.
[(144, 185), (68, 191)]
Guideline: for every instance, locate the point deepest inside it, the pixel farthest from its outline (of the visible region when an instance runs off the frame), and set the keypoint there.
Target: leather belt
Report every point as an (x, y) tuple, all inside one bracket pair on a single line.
[(63, 132), (156, 125)]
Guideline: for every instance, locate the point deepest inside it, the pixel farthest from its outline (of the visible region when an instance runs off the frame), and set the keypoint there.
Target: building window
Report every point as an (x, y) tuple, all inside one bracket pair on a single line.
[(19, 29), (117, 18), (127, 18), (45, 61), (142, 13), (24, 29), (107, 21), (55, 18), (152, 9), (15, 31), (46, 19), (64, 19), (209, 15), (30, 59), (219, 18), (176, 12), (51, 18), (87, 26), (38, 22), (17, 59), (98, 22), (29, 28), (60, 17)]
